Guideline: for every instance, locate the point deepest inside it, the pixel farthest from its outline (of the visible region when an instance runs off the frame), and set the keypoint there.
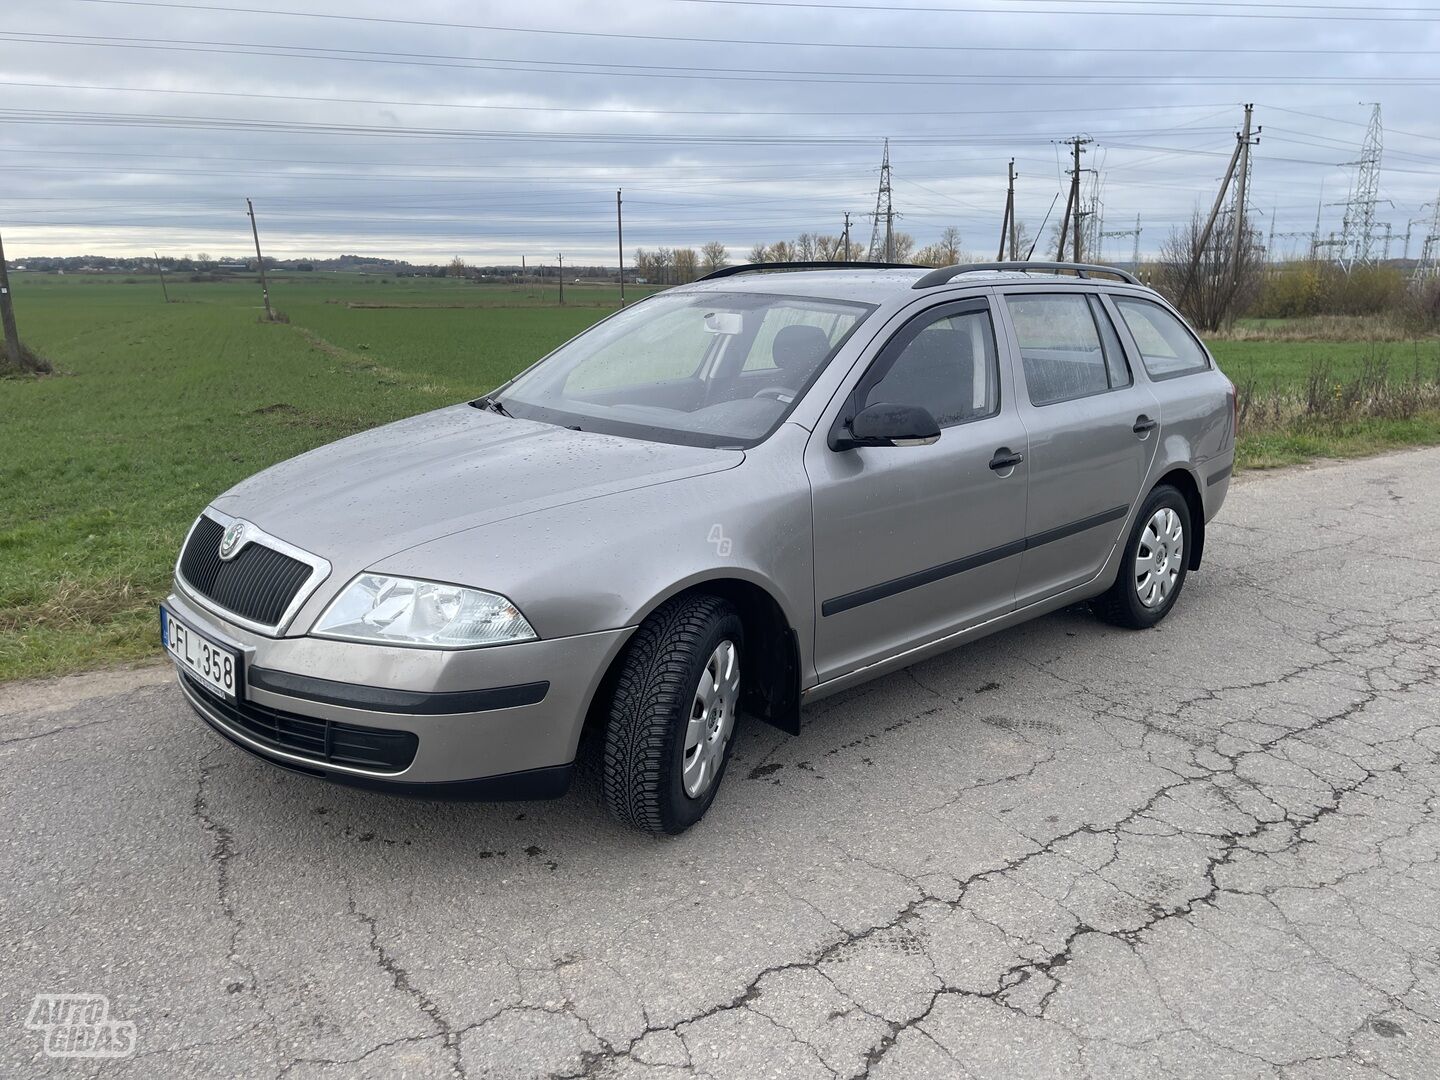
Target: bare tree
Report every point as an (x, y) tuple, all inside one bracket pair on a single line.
[(944, 252), (782, 251), (828, 248), (903, 246), (687, 265), (1214, 293), (714, 256), (805, 247), (759, 254)]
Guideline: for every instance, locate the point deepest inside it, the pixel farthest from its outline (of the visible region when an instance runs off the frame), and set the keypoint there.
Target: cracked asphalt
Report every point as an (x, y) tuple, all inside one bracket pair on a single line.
[(1206, 850)]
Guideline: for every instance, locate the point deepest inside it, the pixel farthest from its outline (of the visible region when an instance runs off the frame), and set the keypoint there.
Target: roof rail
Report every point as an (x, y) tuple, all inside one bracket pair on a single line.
[(757, 268), (946, 273)]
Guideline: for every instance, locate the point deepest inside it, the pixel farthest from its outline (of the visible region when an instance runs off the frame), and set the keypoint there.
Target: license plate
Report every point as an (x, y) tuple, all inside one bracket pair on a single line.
[(214, 666)]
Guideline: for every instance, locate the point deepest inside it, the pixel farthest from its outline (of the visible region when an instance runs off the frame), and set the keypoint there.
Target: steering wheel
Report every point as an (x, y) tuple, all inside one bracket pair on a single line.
[(779, 393)]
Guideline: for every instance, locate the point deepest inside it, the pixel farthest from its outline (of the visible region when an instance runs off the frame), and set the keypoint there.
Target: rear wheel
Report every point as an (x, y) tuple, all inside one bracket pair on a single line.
[(1152, 570), (672, 716)]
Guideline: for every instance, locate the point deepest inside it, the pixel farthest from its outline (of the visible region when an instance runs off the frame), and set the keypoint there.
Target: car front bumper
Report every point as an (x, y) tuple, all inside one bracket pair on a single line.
[(491, 723)]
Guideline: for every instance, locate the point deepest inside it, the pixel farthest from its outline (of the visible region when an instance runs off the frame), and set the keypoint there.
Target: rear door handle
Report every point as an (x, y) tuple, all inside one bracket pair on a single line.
[(1143, 424), (1005, 458)]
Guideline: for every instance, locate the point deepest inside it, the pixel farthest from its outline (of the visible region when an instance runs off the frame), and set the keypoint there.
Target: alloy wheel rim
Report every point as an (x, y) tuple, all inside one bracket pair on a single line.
[(1159, 558), (711, 720)]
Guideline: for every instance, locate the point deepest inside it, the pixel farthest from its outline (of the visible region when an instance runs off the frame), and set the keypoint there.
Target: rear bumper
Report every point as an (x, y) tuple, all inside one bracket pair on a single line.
[(496, 723)]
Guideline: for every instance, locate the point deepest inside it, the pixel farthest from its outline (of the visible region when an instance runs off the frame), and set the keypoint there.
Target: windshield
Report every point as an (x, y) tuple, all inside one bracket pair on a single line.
[(708, 369)]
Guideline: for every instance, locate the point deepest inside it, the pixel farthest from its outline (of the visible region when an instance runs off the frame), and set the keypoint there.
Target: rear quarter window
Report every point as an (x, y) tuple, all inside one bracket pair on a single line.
[(1166, 347)]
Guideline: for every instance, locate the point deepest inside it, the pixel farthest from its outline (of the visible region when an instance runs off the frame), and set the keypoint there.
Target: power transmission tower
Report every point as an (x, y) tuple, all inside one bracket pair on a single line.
[(1007, 223), (845, 240), (883, 249), (1135, 232), (260, 261), (1358, 235), (1429, 250), (1070, 222)]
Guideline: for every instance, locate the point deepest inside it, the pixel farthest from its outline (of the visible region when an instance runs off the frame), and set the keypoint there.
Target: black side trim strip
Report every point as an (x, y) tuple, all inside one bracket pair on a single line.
[(1217, 477), (971, 562), (388, 700)]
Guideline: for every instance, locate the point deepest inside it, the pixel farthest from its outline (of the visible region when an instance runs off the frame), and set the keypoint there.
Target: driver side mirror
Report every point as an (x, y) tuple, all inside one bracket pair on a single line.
[(886, 424)]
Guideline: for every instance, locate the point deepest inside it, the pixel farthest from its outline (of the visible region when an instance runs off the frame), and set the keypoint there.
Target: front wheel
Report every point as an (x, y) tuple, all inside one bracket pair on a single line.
[(672, 715), (1152, 569)]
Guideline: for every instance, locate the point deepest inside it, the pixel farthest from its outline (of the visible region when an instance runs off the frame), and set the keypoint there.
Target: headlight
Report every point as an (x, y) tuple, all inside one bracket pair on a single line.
[(401, 611)]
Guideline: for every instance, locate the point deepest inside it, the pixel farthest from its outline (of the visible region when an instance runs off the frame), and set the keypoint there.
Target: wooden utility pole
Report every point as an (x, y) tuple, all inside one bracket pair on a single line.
[(561, 274), (620, 244), (845, 241), (1239, 225), (1007, 224), (7, 316), (260, 261), (163, 290)]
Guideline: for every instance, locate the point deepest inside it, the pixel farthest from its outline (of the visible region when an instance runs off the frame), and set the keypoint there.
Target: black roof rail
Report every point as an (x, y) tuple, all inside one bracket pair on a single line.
[(756, 268), (945, 274)]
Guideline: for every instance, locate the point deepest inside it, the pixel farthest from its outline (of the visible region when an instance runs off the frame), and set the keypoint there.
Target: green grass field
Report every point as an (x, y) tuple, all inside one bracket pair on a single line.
[(156, 407)]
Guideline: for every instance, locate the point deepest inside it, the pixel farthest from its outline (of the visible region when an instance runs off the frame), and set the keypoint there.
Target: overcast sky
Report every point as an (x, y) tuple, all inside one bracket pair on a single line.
[(488, 130)]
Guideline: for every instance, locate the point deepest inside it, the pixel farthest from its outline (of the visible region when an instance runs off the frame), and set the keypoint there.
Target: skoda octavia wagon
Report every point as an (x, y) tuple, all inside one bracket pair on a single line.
[(737, 496)]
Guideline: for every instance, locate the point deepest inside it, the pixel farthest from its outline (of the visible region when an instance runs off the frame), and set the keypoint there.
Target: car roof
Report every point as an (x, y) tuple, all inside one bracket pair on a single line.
[(872, 286)]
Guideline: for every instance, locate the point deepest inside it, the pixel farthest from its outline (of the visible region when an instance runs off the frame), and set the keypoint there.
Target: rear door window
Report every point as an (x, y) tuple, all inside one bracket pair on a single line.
[(1166, 347)]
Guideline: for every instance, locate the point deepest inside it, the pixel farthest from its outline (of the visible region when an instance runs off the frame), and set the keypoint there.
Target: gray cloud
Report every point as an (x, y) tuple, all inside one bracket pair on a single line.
[(425, 141)]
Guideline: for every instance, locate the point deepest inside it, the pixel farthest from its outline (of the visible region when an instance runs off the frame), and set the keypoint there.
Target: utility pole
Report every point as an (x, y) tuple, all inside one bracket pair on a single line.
[(163, 290), (1070, 222), (7, 315), (260, 261), (620, 244), (1204, 241), (845, 241), (1007, 223), (1239, 225), (561, 274)]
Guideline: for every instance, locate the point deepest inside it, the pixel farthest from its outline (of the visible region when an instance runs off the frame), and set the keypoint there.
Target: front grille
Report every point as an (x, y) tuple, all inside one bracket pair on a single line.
[(325, 741), (257, 584)]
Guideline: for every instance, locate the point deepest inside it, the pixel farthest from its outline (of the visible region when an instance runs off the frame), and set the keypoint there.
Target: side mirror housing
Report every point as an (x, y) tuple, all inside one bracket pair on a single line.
[(886, 424)]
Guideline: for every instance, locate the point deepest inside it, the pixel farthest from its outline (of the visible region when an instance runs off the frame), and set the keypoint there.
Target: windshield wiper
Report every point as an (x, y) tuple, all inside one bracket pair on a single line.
[(494, 405)]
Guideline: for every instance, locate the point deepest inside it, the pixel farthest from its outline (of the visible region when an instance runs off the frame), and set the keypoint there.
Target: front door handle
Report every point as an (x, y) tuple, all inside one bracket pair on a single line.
[(1005, 458), (1143, 424)]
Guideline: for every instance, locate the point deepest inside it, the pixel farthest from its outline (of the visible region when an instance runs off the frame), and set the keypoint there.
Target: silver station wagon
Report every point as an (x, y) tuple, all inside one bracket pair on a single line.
[(737, 496)]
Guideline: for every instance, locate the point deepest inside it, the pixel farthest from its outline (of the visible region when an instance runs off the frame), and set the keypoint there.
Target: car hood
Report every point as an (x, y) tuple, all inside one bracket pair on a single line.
[(377, 493)]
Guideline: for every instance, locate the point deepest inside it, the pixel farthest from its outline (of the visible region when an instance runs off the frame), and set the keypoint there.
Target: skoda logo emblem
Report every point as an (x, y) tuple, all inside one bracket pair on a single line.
[(233, 538)]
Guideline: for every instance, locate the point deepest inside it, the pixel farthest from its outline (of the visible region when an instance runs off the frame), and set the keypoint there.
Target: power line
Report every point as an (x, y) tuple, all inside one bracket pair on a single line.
[(683, 39), (690, 72), (1207, 10)]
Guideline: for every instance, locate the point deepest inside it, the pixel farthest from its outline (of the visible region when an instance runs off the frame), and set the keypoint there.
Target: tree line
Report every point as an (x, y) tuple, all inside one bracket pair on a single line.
[(679, 265)]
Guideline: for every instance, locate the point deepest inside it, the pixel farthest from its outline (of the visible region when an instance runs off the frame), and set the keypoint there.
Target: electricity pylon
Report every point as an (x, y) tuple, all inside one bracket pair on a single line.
[(882, 229), (1358, 233)]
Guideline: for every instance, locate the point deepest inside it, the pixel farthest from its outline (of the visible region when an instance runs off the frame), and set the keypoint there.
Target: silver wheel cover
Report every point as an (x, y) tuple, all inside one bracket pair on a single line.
[(1159, 557), (711, 720)]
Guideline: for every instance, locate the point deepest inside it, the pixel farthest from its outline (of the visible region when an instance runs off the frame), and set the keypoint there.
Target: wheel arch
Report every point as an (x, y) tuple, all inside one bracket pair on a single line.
[(772, 651), (1183, 480)]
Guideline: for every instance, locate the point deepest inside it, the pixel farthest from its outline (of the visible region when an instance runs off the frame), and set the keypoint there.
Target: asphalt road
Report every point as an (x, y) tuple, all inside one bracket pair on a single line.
[(1206, 850)]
